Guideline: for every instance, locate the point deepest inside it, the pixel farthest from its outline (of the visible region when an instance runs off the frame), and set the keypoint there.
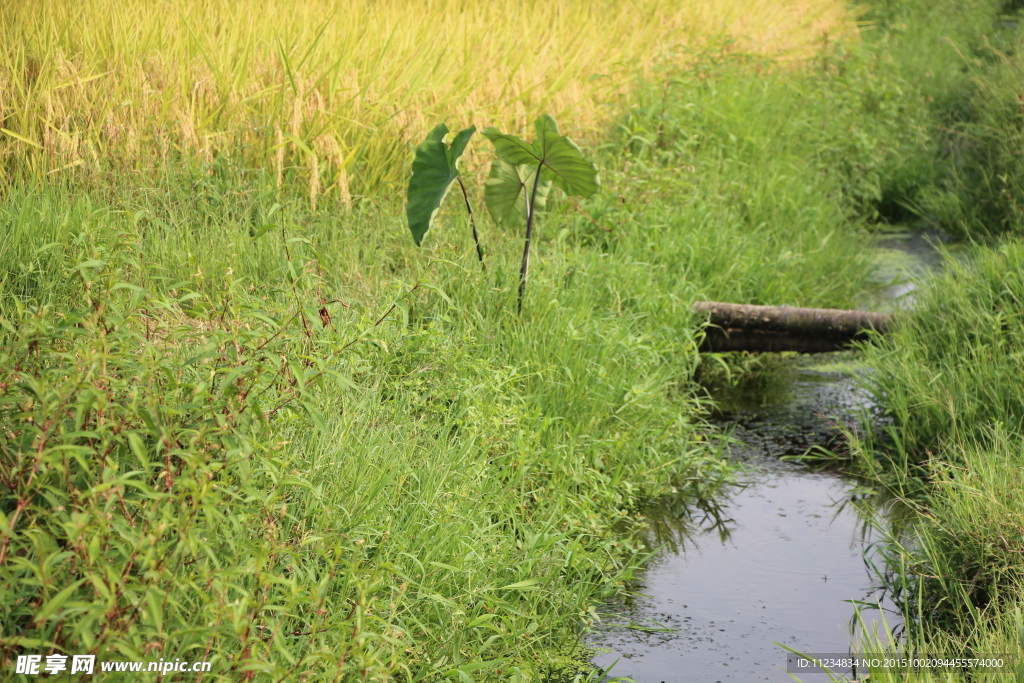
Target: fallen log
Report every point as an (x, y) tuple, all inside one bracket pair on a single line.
[(741, 327)]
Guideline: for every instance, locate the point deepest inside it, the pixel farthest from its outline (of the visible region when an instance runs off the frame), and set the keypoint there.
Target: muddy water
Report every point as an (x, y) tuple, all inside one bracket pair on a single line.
[(783, 560)]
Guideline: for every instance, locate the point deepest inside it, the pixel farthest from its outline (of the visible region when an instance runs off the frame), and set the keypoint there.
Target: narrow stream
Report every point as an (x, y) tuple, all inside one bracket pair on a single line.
[(779, 561)]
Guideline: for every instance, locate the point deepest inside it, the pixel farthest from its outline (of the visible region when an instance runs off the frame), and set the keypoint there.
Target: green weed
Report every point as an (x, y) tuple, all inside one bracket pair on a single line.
[(950, 370), (949, 377), (367, 464)]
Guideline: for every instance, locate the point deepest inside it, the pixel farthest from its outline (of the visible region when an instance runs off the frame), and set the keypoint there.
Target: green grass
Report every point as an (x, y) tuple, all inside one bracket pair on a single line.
[(950, 370), (961, 62), (949, 376), (363, 522), (457, 451), (954, 567)]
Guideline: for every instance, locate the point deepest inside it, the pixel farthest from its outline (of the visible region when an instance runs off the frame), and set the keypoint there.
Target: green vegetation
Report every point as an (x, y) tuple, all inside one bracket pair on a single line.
[(247, 421), (434, 169), (521, 178), (950, 377), (962, 65), (950, 372), (291, 441), (522, 168)]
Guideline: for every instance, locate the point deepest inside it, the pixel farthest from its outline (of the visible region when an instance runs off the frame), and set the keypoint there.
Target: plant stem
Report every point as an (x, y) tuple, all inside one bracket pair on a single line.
[(295, 292), (524, 270), (472, 223)]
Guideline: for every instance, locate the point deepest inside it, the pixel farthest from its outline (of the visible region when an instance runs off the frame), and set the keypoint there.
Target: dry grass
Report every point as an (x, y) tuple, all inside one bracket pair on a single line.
[(331, 94)]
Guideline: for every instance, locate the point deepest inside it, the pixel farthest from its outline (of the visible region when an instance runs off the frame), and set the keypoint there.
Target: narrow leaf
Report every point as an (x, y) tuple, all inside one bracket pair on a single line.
[(20, 137), (56, 602), (315, 415), (521, 585)]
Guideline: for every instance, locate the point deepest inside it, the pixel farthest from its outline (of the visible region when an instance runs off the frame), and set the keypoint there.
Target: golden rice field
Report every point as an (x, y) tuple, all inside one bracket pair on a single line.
[(331, 94)]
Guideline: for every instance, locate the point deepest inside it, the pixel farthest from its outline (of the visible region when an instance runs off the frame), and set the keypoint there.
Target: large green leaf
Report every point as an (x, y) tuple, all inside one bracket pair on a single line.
[(511, 149), (433, 171), (560, 158), (508, 189), (564, 163)]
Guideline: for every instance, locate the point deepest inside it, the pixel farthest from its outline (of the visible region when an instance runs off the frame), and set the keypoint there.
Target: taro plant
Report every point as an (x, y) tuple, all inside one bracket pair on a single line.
[(520, 180), (523, 173)]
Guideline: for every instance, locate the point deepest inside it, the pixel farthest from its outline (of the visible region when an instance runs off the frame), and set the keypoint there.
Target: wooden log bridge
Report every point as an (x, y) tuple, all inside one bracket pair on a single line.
[(740, 327)]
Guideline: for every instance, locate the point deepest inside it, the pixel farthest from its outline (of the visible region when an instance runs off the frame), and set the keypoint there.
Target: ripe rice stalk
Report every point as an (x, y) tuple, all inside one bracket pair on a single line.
[(334, 154), (48, 141), (341, 178), (372, 74)]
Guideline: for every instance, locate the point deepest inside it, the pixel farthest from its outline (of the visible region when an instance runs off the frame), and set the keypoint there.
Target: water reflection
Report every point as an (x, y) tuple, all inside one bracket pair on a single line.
[(777, 561), (777, 565)]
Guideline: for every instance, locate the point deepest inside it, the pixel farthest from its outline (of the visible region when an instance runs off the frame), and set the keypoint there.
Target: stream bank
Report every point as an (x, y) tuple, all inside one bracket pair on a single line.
[(786, 557)]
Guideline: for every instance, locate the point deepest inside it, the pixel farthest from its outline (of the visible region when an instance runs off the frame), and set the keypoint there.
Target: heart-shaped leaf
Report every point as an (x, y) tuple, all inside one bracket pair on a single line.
[(560, 158), (434, 169), (508, 190), (563, 162)]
